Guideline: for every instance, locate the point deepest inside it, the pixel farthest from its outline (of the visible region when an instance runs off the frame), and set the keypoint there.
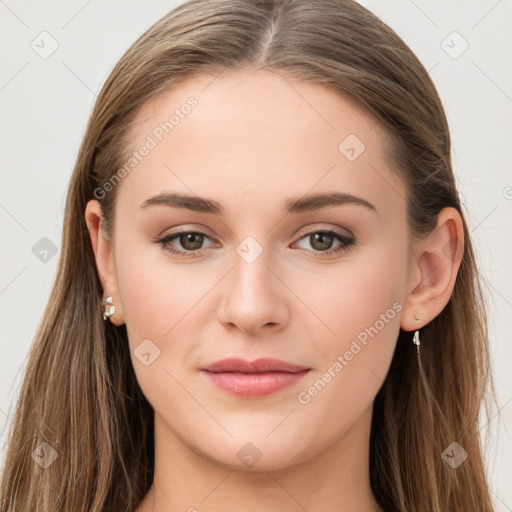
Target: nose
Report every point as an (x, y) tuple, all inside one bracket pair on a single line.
[(253, 297)]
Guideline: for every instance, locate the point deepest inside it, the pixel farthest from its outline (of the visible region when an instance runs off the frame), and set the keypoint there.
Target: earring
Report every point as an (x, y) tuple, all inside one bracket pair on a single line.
[(416, 340), (112, 309)]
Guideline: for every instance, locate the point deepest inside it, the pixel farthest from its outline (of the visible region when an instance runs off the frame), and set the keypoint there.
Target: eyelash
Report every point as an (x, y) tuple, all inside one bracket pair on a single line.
[(346, 241)]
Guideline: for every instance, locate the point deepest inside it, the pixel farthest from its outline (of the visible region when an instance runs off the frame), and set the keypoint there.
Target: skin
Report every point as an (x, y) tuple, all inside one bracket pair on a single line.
[(254, 141)]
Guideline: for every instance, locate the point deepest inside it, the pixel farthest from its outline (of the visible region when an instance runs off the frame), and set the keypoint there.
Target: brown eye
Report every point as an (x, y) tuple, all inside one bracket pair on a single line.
[(184, 243), (191, 241), (321, 241)]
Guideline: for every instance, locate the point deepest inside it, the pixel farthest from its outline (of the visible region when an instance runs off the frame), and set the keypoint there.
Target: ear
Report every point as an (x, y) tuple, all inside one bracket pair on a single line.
[(104, 256), (434, 269)]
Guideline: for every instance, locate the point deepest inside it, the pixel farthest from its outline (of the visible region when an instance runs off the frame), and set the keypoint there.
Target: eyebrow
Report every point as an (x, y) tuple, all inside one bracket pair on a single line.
[(294, 205)]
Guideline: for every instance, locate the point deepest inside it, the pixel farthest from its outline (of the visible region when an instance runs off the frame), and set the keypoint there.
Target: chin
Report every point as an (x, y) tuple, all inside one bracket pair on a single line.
[(257, 453)]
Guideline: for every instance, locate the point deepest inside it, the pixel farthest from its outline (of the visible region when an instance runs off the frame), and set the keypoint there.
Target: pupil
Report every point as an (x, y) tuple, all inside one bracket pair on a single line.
[(321, 237), (194, 239)]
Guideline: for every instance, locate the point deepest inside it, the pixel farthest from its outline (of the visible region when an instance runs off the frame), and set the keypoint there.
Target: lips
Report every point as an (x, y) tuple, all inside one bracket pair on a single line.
[(264, 365), (253, 379)]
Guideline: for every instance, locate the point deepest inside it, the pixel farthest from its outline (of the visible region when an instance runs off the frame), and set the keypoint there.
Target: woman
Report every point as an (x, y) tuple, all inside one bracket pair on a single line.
[(267, 297)]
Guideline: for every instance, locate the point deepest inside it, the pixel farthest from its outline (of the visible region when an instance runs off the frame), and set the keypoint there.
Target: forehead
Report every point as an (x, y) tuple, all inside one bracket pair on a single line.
[(261, 132)]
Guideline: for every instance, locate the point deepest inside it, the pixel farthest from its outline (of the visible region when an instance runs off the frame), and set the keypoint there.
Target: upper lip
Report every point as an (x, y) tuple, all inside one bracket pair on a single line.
[(258, 366)]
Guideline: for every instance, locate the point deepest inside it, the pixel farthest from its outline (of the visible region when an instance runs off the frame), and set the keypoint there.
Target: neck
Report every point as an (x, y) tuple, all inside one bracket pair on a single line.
[(335, 479)]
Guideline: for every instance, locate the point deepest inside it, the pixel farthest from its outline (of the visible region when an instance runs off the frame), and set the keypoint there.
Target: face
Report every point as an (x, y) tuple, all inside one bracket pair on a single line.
[(262, 272)]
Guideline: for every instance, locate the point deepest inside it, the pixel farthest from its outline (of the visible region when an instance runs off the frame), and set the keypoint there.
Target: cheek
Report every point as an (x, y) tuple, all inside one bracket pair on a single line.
[(155, 299), (360, 307), (354, 296), (154, 292), (162, 301)]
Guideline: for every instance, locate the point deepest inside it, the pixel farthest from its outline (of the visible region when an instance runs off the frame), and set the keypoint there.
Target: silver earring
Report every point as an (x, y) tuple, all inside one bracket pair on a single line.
[(416, 340), (111, 310)]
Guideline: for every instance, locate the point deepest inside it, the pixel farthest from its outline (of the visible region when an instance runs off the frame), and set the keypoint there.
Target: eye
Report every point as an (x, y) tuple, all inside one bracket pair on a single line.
[(190, 241), (322, 241)]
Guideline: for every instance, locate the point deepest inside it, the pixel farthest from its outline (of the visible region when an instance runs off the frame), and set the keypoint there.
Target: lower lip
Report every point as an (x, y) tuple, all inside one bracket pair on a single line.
[(254, 384)]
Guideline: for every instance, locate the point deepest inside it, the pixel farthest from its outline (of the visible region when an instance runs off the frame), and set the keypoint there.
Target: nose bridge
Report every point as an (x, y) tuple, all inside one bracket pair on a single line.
[(252, 296), (251, 274)]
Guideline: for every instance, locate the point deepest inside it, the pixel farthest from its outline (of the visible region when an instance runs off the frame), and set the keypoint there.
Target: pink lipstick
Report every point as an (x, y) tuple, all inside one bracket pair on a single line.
[(254, 379)]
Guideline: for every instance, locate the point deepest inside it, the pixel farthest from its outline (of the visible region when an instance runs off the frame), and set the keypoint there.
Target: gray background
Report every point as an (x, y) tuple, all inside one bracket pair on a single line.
[(45, 104)]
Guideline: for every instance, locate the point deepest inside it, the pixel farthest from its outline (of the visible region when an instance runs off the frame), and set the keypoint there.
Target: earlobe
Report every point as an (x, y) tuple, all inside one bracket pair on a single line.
[(104, 257), (436, 263)]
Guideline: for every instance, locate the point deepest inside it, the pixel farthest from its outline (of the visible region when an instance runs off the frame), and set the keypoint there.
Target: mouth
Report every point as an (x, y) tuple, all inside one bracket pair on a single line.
[(253, 379)]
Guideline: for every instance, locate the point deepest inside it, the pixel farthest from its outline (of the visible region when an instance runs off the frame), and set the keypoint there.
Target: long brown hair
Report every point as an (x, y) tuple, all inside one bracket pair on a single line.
[(80, 394)]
